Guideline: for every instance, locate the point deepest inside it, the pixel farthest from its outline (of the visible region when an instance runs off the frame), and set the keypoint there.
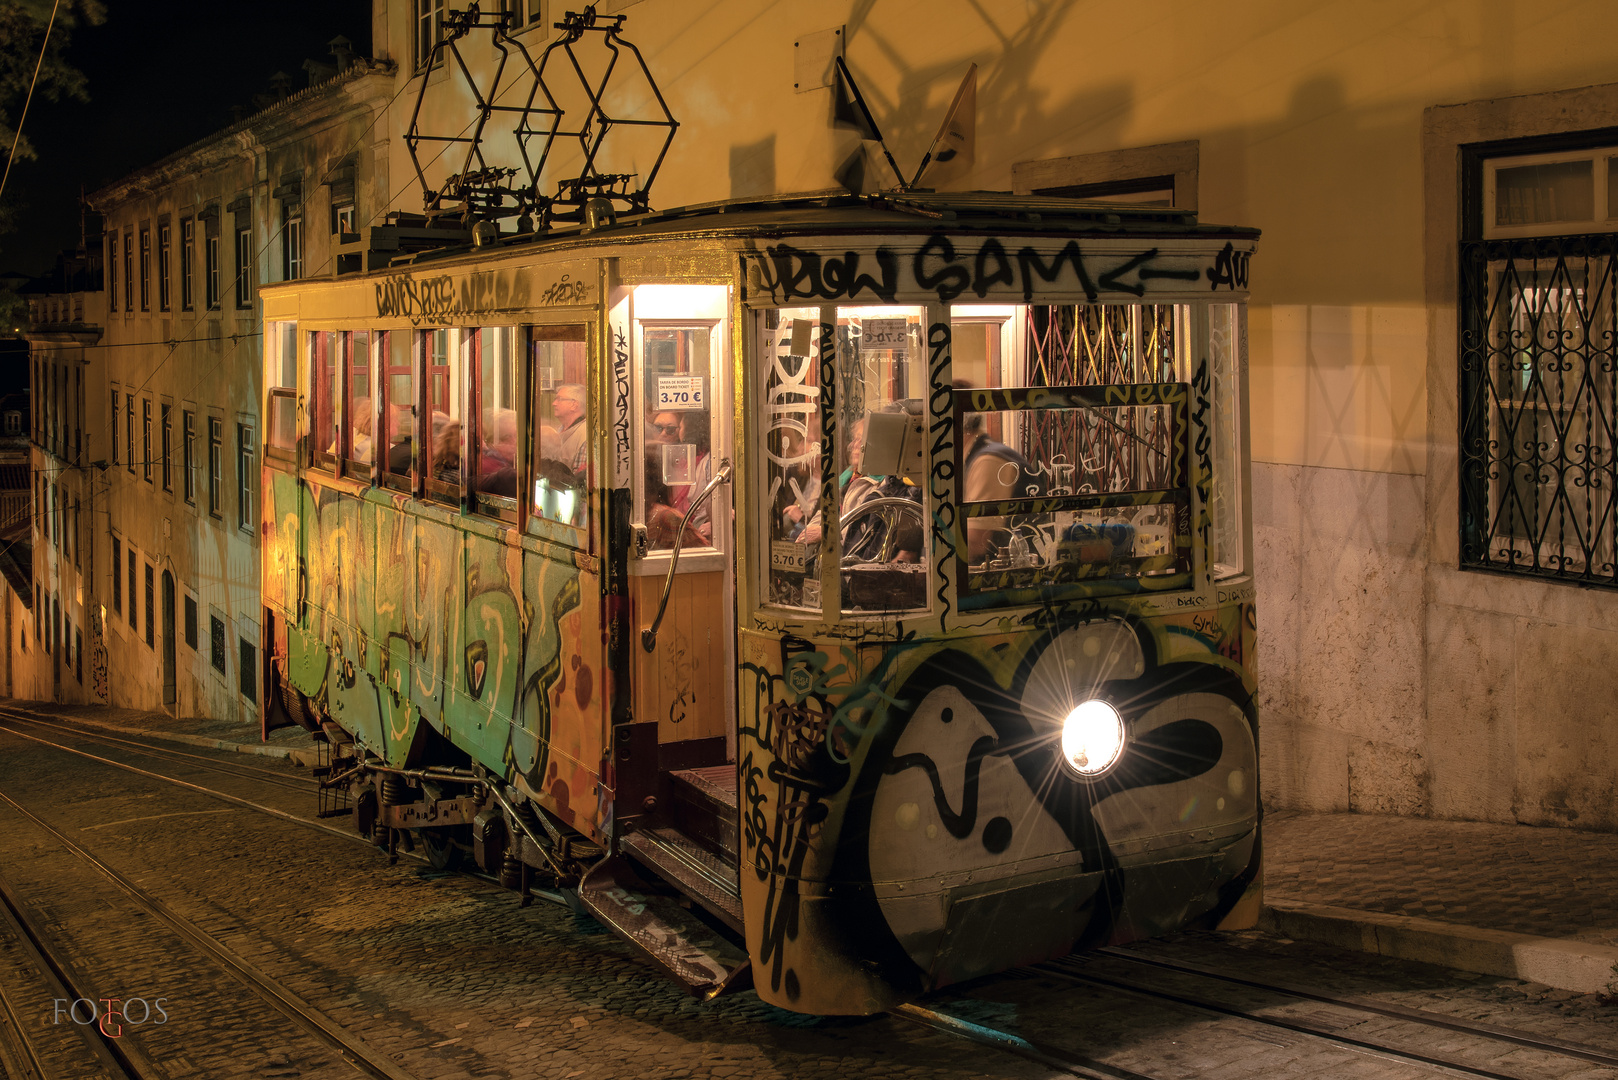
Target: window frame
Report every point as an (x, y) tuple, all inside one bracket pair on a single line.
[(426, 29), (291, 240), (166, 468), (165, 264), (216, 438), (188, 240), (146, 268), (146, 438), (246, 455), (188, 462)]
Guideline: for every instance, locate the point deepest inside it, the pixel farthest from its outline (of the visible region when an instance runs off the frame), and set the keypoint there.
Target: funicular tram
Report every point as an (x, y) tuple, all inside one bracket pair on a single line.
[(843, 595)]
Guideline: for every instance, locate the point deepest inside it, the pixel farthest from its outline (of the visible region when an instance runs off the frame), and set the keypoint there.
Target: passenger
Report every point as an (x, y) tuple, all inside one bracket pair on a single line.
[(500, 448), (362, 425), (993, 471), (694, 432), (663, 428), (662, 519), (446, 448), (864, 535), (403, 445), (572, 445)]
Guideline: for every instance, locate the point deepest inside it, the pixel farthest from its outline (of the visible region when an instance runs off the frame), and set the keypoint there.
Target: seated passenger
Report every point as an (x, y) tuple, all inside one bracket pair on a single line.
[(864, 535), (572, 445), (401, 449), (662, 519), (446, 448)]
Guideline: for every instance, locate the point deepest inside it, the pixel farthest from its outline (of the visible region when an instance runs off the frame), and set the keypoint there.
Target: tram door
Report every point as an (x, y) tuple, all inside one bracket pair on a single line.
[(681, 435)]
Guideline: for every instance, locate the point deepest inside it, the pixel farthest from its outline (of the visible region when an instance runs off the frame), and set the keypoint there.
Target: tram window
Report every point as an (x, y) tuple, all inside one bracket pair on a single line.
[(1091, 485), (882, 519), (677, 377), (359, 410), (560, 422), (494, 410), (281, 340), (398, 406), (442, 362), (790, 354), (324, 373), (1226, 553)]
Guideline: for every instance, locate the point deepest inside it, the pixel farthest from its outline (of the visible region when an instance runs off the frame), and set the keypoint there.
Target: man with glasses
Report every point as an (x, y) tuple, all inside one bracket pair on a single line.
[(572, 447)]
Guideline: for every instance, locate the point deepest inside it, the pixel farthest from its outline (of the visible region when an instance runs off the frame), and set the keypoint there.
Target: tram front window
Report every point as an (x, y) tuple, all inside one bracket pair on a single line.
[(790, 355), (679, 436)]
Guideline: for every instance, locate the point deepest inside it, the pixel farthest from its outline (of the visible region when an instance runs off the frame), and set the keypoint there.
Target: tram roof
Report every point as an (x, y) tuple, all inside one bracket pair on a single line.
[(839, 212)]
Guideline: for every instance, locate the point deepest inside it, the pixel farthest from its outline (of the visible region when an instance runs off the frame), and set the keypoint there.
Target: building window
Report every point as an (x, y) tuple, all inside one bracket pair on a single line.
[(134, 621), (146, 438), (75, 533), (244, 268), (216, 642), (244, 477), (188, 242), (344, 222), (167, 462), (216, 438), (211, 266), (249, 666), (524, 13), (112, 271), (151, 606), (429, 26), (191, 623), (129, 270), (115, 412), (165, 263), (291, 241), (117, 576), (188, 451), (78, 655), (1538, 265), (129, 429), (146, 269)]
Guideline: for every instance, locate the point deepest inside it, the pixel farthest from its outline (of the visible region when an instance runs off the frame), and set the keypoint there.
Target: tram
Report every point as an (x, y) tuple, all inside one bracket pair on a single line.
[(844, 596)]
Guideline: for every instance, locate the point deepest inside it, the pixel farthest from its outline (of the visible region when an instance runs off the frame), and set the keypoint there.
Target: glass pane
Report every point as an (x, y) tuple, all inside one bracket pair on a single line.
[(679, 452), (324, 373), (1535, 194), (283, 422), (791, 433), (1225, 556), (495, 468), (443, 368), (361, 409), (561, 424), (881, 368), (399, 415)]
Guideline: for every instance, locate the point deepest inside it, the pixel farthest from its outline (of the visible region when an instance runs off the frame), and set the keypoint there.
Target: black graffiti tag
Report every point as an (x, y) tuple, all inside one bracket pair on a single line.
[(941, 408), (620, 385), (1204, 448), (1229, 268)]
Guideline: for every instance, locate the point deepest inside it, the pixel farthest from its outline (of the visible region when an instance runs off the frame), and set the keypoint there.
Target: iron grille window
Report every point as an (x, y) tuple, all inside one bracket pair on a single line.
[(249, 664), (216, 643), (1538, 431), (191, 622)]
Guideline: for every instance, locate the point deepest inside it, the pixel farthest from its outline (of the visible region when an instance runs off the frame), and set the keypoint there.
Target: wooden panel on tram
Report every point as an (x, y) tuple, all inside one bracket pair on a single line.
[(681, 683)]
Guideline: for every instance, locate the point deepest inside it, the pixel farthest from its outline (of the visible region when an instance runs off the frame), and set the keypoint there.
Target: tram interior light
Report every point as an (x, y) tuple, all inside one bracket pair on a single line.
[(1092, 737)]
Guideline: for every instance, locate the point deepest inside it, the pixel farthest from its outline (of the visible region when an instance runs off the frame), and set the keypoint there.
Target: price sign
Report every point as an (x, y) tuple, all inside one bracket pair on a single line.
[(884, 334), (680, 392), (788, 556)]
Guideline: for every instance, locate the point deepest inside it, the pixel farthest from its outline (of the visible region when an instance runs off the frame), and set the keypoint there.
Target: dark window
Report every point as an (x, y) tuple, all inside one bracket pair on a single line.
[(188, 243), (146, 269), (216, 643), (78, 655), (115, 412), (47, 623), (129, 270), (249, 669), (151, 621), (191, 622), (75, 533), (244, 477), (165, 261), (188, 461), (1538, 474), (117, 576), (168, 447), (216, 438), (429, 26), (129, 429), (211, 263), (146, 438), (134, 616), (244, 268), (112, 271)]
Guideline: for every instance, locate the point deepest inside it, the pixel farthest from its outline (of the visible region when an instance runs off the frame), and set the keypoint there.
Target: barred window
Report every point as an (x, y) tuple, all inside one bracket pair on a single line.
[(1538, 275)]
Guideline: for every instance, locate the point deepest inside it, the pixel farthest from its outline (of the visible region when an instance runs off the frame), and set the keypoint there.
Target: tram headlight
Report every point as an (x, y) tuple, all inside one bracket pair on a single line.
[(1092, 738)]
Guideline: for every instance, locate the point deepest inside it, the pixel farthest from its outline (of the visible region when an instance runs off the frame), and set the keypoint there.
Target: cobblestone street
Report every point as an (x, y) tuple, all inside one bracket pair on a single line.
[(445, 975)]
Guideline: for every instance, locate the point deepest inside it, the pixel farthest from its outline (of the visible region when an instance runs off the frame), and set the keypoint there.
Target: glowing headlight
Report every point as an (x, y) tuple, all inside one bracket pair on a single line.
[(1092, 738)]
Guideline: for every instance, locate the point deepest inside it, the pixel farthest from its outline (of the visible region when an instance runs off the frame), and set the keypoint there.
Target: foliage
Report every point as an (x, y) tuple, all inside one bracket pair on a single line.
[(22, 29)]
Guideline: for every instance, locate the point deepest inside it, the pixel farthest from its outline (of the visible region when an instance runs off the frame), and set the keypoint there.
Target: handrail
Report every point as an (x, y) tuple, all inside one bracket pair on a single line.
[(648, 637)]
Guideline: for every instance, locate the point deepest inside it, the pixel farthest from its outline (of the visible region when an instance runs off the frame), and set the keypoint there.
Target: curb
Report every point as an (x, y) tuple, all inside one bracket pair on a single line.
[(1582, 967), (304, 758)]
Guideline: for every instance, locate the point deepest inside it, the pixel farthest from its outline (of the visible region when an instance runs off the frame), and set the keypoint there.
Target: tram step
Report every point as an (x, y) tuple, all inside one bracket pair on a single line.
[(674, 939), (706, 878), (703, 807)]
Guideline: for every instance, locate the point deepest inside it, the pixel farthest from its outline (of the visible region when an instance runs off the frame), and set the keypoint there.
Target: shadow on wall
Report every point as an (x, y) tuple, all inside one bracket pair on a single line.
[(752, 168)]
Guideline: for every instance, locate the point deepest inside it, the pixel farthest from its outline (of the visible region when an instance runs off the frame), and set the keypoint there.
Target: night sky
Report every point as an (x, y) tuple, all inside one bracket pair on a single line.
[(162, 74)]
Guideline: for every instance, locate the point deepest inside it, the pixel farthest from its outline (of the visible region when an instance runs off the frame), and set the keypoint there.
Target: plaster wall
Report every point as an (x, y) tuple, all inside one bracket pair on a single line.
[(1391, 681)]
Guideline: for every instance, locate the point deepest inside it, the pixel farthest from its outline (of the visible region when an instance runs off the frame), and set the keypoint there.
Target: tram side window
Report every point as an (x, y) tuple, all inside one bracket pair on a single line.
[(562, 468), (282, 345), (1088, 484), (442, 363), (324, 374), (494, 409), (359, 410), (883, 518), (677, 376), (398, 385), (1226, 554), (790, 355)]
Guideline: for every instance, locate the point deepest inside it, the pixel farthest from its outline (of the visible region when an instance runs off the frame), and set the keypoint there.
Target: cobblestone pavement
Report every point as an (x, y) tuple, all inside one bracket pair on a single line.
[(1560, 883), (450, 978)]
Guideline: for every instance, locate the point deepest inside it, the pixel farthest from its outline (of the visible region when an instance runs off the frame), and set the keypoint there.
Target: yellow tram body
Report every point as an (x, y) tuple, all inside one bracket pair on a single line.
[(956, 670)]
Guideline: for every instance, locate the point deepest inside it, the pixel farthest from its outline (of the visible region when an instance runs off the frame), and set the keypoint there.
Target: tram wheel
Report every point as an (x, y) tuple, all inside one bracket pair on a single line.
[(365, 814), (442, 852)]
